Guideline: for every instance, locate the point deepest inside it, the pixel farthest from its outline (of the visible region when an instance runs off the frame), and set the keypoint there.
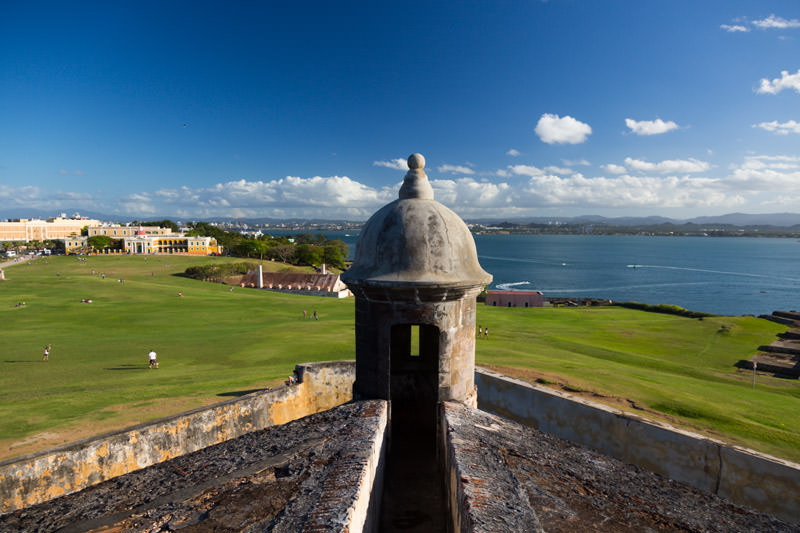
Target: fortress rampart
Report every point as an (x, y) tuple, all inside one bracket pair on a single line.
[(742, 476), (40, 477)]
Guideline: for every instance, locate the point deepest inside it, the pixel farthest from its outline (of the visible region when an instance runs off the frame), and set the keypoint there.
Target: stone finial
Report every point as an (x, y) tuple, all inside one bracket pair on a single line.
[(415, 184), (416, 161)]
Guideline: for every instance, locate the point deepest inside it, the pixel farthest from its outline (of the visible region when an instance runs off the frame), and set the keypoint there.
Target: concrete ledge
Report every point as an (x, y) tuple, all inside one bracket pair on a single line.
[(745, 477), (39, 477)]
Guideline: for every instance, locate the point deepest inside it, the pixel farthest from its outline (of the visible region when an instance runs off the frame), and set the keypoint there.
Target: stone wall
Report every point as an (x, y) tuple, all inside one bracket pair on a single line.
[(742, 476), (42, 476)]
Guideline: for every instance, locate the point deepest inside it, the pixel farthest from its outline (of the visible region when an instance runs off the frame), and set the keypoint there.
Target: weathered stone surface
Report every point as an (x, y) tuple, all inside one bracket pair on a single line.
[(305, 475), (415, 241), (743, 476), (507, 477), (42, 476)]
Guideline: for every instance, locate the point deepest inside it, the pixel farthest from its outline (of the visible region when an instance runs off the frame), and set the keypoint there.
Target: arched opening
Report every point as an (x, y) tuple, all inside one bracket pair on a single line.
[(526, 304), (509, 304), (413, 492), (414, 368)]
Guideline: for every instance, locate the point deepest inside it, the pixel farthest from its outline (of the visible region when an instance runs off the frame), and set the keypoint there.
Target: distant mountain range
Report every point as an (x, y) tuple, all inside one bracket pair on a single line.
[(733, 219)]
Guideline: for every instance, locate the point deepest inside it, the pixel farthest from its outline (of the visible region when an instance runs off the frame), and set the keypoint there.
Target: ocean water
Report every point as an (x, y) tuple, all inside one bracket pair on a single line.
[(729, 276), (721, 275)]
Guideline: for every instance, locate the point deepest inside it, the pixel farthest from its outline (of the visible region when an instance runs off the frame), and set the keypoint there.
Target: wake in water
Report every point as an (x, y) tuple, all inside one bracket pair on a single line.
[(623, 287), (509, 286), (745, 274)]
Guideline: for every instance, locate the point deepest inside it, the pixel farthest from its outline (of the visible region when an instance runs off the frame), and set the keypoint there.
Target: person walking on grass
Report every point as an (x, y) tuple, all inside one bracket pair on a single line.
[(46, 356), (153, 359)]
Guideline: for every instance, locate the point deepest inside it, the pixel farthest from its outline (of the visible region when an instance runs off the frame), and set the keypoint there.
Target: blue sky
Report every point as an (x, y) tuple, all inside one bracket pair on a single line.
[(282, 109)]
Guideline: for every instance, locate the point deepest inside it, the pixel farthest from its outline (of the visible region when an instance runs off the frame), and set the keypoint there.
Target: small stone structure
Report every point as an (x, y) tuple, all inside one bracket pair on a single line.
[(415, 274), (322, 284), (415, 278), (515, 298)]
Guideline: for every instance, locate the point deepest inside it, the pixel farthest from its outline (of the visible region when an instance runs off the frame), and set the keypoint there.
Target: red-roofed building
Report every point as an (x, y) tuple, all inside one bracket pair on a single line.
[(515, 298)]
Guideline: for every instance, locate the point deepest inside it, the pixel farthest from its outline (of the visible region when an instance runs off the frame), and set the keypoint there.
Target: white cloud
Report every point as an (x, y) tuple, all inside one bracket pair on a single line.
[(776, 22), (397, 164), (758, 180), (734, 28), (558, 170), (767, 173), (553, 129), (786, 81), (526, 170), (668, 166), (503, 173), (513, 153), (455, 169), (577, 162), (650, 127), (614, 169), (791, 201), (37, 198), (781, 128)]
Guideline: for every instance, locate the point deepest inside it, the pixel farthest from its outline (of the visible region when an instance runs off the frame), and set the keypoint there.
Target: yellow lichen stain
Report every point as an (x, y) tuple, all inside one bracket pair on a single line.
[(102, 450)]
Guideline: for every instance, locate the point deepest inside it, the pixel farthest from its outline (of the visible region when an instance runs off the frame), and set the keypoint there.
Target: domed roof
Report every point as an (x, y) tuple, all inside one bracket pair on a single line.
[(416, 241)]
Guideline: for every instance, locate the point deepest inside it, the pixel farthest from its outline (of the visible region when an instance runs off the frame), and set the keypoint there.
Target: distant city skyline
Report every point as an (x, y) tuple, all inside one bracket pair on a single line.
[(284, 110)]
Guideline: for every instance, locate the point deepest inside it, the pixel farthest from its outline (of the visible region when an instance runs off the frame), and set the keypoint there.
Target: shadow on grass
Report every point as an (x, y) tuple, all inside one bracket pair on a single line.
[(128, 367), (39, 361), (237, 393)]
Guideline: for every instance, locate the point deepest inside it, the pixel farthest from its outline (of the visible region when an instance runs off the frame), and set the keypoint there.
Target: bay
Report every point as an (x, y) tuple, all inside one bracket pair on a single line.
[(726, 276), (720, 275)]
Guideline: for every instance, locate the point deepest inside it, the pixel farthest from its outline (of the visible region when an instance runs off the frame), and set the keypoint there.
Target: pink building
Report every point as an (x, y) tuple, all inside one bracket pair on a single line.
[(515, 298)]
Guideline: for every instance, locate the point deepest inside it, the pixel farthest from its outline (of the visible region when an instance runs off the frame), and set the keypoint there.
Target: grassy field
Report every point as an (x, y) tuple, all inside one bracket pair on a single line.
[(214, 344)]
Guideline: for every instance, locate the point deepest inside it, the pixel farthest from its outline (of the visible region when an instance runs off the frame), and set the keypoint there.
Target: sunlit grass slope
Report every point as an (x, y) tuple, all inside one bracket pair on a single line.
[(211, 342), (214, 343), (677, 367)]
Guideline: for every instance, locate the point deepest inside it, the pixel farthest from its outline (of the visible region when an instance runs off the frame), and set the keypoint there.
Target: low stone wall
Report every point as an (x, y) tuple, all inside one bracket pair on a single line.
[(39, 477), (742, 476)]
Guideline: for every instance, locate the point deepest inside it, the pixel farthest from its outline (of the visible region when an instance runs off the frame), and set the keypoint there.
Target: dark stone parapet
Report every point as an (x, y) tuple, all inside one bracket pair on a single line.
[(503, 476), (313, 474)]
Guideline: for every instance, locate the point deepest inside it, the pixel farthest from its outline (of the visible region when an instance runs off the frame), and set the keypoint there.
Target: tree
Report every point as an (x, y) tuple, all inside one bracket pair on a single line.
[(228, 239), (284, 252), (99, 242), (307, 254), (332, 256), (250, 248), (166, 223), (341, 245)]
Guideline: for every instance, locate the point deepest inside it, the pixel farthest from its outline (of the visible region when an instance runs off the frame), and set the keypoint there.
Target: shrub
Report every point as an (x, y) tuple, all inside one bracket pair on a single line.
[(218, 272), (665, 309)]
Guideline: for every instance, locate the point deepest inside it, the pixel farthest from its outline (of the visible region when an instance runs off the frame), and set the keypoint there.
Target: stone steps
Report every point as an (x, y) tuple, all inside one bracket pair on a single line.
[(790, 347), (779, 364), (792, 315)]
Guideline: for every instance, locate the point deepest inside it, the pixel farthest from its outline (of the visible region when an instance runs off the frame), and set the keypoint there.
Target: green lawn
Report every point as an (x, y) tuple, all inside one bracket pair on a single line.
[(214, 344), (674, 368)]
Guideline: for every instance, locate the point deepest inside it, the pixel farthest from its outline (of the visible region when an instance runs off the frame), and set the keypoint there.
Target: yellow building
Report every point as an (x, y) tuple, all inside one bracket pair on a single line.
[(75, 245), (151, 244), (115, 231), (171, 244), (27, 230)]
